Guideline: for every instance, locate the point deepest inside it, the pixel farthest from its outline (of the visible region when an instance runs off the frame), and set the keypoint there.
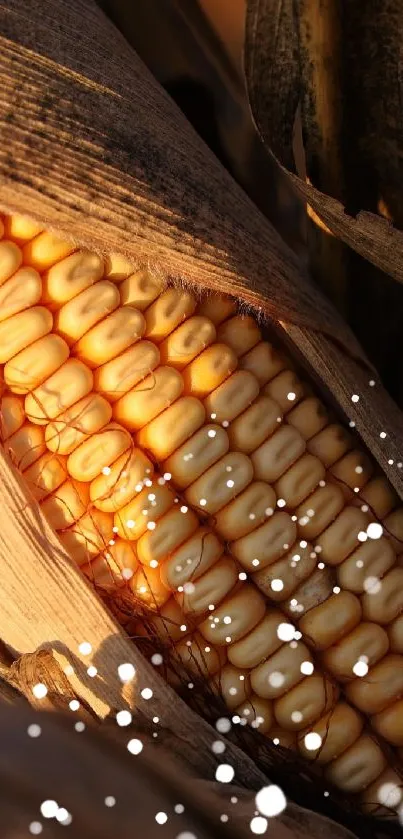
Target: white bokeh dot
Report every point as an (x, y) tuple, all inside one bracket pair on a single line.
[(389, 795), (372, 585), (34, 730), (218, 747), (374, 530), (259, 825), (49, 808), (360, 669), (224, 773), (285, 631), (276, 679), (110, 801), (156, 659), (126, 672), (134, 746), (313, 741), (39, 690), (270, 801), (123, 718), (161, 817), (64, 817), (35, 828), (223, 725), (146, 693)]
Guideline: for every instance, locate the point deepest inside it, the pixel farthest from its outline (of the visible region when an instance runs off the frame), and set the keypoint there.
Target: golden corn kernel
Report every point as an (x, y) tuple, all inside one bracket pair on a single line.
[(246, 512), (266, 544), (210, 588), (110, 337), (12, 415), (277, 454), (280, 579), (281, 672), (118, 267), (145, 508), (173, 529), (88, 536), (72, 427), (71, 382), (79, 315), (167, 312), (221, 483), (189, 561), (357, 767), (26, 445), (155, 393), (335, 733), (187, 341), (98, 453), (21, 228), (66, 505), (20, 292), (45, 250), (118, 483), (217, 307), (241, 333), (209, 370), (45, 475), (248, 431), (231, 398), (121, 374), (366, 644), (201, 451), (234, 618), (260, 643), (27, 370), (139, 289), (170, 429), (263, 361), (23, 329), (332, 620), (10, 260), (69, 277)]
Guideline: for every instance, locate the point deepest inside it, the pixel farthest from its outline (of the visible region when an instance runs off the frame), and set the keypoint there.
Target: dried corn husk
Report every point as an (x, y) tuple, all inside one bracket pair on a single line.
[(91, 147)]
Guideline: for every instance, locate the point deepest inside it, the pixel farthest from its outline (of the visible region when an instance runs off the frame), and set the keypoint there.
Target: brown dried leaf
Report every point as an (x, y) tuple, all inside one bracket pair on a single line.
[(371, 80)]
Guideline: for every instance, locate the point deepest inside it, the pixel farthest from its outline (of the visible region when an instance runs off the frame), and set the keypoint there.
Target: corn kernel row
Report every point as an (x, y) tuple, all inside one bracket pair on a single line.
[(75, 393)]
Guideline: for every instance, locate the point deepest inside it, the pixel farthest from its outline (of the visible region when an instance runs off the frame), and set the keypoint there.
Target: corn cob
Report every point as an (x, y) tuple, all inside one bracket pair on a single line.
[(160, 435)]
